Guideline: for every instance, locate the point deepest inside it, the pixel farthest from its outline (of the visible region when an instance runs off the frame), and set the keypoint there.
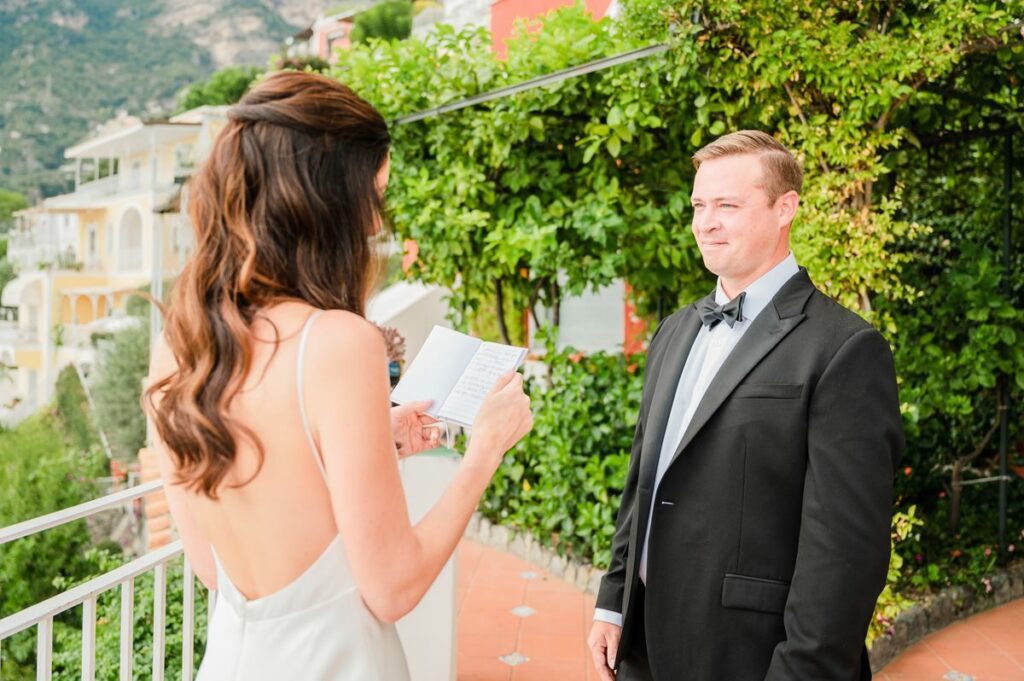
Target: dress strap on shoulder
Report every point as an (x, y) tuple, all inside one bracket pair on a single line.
[(301, 384)]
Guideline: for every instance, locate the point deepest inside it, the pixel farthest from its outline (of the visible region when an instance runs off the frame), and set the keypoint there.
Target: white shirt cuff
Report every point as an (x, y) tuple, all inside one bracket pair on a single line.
[(609, 616)]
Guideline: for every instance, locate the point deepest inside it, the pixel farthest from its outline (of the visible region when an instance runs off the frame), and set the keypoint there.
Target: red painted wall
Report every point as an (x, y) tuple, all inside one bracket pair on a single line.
[(505, 12), (325, 46)]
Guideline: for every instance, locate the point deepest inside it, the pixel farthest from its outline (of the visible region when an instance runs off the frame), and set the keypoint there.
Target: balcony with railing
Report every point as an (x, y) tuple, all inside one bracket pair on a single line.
[(148, 616), (9, 330), (28, 249), (107, 186), (87, 597)]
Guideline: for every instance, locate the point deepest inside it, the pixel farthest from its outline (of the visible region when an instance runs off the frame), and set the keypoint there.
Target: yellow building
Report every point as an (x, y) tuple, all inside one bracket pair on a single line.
[(81, 255)]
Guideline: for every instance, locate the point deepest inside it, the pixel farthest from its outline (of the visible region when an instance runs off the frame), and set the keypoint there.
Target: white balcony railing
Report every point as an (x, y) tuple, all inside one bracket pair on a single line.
[(9, 333), (427, 633), (105, 186), (41, 615), (30, 254)]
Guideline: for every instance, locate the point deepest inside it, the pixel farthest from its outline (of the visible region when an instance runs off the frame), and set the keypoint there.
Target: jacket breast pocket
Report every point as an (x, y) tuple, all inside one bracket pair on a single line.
[(754, 593), (772, 391)]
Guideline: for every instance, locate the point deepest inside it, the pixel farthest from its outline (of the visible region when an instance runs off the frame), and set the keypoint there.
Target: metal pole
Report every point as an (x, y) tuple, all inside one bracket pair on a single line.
[(541, 81), (1004, 408)]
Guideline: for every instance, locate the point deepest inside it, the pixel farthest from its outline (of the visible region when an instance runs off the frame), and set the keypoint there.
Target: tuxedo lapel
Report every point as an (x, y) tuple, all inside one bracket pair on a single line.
[(677, 350), (771, 326)]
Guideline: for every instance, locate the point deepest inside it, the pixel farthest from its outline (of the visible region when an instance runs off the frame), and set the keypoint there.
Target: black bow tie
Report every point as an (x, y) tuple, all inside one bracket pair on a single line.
[(711, 313)]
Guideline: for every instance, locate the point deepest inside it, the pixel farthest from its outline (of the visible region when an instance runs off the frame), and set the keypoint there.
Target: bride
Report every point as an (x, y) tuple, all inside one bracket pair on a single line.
[(269, 394)]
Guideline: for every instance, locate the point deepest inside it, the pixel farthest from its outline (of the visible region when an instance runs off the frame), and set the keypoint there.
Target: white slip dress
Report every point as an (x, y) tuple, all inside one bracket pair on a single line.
[(316, 628)]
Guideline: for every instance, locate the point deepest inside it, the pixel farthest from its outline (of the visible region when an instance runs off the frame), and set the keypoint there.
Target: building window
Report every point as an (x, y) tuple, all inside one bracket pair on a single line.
[(129, 243), (183, 163), (92, 240), (136, 177)]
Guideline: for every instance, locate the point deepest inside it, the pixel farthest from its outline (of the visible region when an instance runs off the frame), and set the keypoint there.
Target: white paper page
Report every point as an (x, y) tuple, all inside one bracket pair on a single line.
[(436, 368), (489, 363)]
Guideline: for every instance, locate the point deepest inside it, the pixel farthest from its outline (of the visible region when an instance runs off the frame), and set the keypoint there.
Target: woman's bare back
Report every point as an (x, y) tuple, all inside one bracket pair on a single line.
[(270, 523)]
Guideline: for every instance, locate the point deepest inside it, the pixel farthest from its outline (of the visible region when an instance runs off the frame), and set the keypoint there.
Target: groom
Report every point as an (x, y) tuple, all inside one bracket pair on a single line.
[(753, 535)]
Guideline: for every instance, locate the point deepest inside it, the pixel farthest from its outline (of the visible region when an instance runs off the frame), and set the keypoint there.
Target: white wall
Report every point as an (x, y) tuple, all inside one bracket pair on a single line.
[(412, 308), (593, 321), (457, 13), (428, 632)]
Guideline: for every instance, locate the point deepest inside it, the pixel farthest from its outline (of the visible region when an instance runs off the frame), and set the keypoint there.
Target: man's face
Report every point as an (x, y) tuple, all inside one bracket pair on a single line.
[(740, 234)]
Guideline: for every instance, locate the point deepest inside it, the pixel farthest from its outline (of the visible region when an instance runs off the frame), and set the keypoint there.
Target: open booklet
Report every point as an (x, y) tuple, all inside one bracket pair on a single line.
[(457, 372)]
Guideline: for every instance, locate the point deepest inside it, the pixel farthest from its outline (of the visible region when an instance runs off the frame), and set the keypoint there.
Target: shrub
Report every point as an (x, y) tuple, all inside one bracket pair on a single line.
[(563, 482), (39, 474), (890, 602), (74, 415), (117, 386)]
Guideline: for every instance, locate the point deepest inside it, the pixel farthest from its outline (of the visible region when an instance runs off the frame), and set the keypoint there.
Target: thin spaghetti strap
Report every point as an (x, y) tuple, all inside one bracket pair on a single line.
[(301, 385)]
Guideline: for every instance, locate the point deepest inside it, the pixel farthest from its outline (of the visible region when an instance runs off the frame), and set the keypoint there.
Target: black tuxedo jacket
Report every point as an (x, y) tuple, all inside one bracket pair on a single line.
[(769, 540)]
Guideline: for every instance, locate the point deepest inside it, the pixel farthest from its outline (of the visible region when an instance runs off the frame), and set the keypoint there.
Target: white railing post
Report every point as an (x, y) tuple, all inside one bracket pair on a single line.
[(127, 628), (159, 616), (187, 619), (89, 639), (41, 615), (44, 649)]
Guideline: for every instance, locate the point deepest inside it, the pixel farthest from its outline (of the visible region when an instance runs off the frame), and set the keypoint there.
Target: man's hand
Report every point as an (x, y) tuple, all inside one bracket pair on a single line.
[(604, 646), (412, 429)]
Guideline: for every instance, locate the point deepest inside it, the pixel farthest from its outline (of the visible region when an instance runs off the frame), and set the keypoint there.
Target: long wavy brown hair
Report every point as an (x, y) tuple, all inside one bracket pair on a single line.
[(285, 208)]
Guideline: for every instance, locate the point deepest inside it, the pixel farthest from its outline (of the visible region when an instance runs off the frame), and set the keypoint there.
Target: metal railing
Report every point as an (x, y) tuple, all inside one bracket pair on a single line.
[(104, 186), (41, 615)]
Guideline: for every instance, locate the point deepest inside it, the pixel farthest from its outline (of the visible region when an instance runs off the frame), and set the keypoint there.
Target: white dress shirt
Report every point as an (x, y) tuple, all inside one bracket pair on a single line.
[(710, 349)]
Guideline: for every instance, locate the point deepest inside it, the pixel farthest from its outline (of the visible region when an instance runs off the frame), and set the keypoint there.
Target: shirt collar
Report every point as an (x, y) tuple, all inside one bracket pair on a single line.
[(761, 291)]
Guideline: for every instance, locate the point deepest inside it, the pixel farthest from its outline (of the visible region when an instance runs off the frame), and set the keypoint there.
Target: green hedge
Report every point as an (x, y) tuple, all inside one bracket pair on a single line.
[(563, 482)]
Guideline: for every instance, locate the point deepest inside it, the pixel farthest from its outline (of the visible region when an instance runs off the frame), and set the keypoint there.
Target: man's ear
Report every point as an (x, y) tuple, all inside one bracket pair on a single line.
[(786, 207)]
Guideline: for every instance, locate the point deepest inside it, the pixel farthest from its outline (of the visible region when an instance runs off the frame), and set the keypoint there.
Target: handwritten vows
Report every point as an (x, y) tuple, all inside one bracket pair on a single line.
[(457, 372)]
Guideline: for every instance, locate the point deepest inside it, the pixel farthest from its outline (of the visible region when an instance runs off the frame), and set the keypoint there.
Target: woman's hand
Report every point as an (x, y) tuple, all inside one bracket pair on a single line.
[(502, 421), (412, 429)]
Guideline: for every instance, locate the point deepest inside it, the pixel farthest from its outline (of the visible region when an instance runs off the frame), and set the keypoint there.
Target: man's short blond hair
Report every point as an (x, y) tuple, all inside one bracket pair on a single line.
[(782, 172)]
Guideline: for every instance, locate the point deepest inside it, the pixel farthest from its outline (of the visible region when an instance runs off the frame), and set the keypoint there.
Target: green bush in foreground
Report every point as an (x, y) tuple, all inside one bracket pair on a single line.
[(41, 472), (564, 481)]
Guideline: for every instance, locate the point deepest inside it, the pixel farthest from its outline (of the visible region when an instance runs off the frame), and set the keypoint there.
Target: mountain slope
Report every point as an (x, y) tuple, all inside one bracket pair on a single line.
[(68, 65)]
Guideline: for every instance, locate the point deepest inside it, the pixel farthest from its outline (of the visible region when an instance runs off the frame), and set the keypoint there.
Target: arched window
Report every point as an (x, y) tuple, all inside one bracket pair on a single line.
[(130, 242)]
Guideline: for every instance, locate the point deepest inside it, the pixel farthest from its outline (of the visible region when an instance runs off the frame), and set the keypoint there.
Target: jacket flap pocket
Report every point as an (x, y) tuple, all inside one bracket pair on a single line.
[(778, 391), (754, 593)]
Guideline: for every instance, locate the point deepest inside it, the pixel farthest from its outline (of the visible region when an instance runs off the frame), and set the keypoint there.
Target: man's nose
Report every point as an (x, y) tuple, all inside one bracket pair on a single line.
[(706, 221)]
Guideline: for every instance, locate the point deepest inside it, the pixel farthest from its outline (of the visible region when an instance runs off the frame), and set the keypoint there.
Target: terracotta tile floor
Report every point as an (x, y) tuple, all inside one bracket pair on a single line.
[(549, 632), (547, 641), (986, 647)]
